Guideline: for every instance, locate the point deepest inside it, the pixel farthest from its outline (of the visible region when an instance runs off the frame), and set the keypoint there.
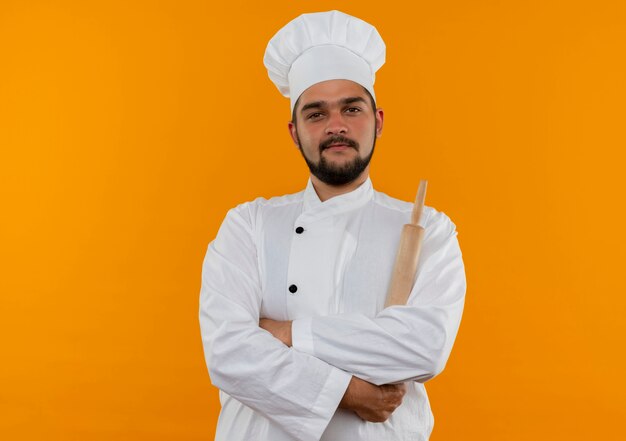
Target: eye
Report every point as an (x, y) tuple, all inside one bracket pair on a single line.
[(353, 110), (314, 116)]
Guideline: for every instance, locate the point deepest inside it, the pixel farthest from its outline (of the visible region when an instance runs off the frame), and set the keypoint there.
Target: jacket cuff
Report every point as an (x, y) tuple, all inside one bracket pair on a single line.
[(302, 336), (326, 405)]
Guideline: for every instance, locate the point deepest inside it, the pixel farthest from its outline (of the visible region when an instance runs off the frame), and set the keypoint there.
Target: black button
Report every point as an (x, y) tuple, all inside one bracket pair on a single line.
[(293, 289), (299, 230)]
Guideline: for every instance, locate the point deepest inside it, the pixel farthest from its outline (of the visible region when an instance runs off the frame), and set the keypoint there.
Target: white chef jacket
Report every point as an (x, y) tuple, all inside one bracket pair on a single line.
[(330, 277)]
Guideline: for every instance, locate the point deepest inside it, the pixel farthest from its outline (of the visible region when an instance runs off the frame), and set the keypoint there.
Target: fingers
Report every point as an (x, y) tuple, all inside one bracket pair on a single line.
[(393, 395), (394, 390), (374, 417), (375, 403)]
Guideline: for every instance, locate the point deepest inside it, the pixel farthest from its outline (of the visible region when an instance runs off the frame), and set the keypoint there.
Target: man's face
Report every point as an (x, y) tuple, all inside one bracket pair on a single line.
[(336, 128)]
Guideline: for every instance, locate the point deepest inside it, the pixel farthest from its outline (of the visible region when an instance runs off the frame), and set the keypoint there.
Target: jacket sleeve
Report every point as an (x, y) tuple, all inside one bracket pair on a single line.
[(296, 391), (402, 343)]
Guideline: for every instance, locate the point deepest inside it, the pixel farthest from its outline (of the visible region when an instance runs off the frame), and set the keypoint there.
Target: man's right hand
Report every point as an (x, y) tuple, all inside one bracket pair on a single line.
[(370, 402)]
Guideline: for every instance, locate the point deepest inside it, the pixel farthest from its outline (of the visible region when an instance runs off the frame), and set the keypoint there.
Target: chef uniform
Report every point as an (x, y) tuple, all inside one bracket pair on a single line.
[(326, 266)]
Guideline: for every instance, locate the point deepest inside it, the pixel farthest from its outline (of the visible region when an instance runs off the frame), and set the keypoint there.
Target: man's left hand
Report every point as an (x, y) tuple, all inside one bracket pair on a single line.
[(280, 330)]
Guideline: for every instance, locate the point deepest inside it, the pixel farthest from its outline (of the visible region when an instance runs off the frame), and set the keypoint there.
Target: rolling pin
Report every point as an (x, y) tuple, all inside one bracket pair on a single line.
[(408, 254)]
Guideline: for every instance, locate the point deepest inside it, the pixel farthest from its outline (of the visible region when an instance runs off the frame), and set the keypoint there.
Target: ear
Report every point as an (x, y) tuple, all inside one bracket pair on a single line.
[(379, 121), (292, 132)]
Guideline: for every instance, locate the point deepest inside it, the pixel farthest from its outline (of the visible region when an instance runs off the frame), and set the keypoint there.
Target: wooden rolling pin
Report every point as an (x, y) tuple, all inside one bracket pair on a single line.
[(408, 254)]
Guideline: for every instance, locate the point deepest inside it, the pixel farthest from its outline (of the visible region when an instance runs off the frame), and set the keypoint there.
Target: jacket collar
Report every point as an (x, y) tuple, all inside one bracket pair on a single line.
[(315, 209)]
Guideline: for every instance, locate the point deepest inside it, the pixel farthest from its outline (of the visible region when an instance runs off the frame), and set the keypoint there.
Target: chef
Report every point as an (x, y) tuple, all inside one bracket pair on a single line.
[(294, 328)]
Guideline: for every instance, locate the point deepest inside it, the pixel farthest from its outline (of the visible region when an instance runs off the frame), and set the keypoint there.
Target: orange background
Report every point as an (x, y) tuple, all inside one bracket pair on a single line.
[(128, 129)]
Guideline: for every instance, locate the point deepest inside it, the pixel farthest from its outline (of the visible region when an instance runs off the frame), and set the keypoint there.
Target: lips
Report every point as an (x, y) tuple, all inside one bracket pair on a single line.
[(338, 147)]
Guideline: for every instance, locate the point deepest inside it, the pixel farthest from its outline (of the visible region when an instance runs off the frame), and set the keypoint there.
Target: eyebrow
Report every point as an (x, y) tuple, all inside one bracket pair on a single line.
[(320, 104)]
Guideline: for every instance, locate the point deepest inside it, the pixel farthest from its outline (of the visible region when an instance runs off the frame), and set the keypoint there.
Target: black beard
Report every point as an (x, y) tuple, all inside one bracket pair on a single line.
[(342, 175)]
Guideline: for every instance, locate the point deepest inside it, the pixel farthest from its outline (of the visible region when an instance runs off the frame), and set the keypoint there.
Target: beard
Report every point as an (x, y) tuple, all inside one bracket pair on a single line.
[(333, 174)]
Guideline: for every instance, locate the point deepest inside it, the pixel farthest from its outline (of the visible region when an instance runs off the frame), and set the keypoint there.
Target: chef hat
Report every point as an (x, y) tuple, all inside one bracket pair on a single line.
[(323, 46)]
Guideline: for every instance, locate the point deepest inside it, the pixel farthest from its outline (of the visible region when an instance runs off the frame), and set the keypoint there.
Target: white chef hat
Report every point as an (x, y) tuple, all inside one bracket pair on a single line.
[(323, 46)]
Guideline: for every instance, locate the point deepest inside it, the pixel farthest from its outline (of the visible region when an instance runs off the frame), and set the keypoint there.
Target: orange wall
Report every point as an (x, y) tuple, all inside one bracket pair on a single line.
[(128, 129)]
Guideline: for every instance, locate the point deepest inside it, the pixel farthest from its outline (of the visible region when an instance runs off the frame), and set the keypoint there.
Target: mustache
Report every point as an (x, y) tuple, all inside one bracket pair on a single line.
[(338, 139)]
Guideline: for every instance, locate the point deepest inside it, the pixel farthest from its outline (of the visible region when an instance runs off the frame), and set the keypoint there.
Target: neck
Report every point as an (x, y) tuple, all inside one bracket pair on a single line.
[(325, 191)]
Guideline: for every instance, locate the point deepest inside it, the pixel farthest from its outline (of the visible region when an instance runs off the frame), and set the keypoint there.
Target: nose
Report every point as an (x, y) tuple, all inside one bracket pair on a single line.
[(336, 124)]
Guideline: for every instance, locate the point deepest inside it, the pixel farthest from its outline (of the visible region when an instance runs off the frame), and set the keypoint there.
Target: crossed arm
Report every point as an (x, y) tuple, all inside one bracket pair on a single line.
[(370, 402), (406, 343)]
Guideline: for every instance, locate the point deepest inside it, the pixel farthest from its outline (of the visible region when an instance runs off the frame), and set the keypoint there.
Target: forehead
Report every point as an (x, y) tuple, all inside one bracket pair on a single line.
[(331, 91)]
